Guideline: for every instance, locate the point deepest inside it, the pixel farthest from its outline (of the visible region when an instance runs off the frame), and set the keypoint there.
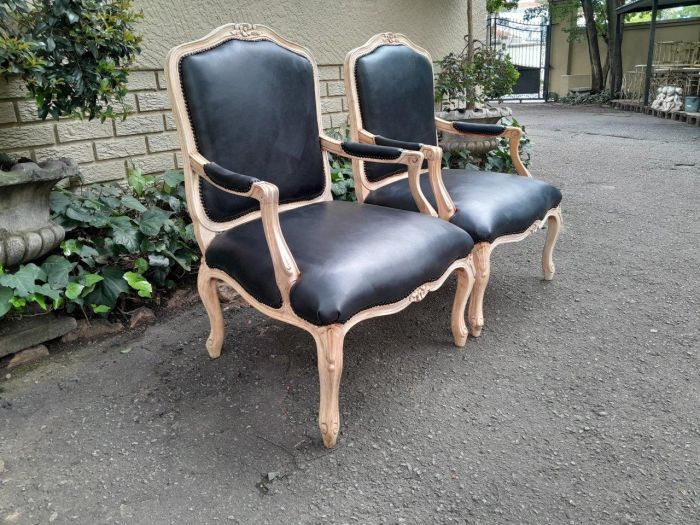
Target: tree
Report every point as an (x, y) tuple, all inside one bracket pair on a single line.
[(594, 17), (597, 80), (73, 55)]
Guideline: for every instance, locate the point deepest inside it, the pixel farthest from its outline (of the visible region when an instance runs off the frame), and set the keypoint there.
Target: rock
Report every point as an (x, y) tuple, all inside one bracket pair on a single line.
[(28, 355), (141, 316), (183, 297), (31, 331), (53, 517), (87, 331), (230, 297)]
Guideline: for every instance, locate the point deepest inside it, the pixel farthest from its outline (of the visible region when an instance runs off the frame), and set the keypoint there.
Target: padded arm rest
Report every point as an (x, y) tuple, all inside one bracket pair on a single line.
[(371, 151), (479, 129), (229, 179), (267, 194), (383, 141)]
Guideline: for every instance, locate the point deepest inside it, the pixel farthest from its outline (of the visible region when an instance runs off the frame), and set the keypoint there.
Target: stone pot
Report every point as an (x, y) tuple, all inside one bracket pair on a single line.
[(26, 233), (486, 115)]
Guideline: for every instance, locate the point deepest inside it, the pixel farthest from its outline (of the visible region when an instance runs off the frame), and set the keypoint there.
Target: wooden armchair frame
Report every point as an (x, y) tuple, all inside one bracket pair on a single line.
[(328, 338), (433, 154)]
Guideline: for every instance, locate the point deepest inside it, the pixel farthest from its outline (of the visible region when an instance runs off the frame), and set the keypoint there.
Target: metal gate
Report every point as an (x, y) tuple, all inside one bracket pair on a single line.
[(527, 44)]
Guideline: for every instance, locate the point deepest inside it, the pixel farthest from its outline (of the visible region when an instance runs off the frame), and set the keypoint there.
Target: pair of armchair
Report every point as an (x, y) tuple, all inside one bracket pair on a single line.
[(247, 108)]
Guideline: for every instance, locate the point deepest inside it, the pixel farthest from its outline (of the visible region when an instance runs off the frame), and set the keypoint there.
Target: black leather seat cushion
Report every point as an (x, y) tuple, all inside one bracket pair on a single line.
[(351, 257), (489, 204)]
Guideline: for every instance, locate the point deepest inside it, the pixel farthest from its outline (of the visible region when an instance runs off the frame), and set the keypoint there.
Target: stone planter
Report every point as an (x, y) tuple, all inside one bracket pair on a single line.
[(487, 115), (26, 233)]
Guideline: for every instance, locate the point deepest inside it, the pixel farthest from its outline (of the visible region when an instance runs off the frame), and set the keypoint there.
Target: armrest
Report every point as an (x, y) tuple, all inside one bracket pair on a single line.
[(433, 155), (267, 194), (511, 133), (383, 141), (413, 160), (479, 129), (371, 151), (229, 179)]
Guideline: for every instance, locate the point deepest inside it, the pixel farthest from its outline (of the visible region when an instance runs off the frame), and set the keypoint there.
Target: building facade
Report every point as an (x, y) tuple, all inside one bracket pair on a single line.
[(148, 137)]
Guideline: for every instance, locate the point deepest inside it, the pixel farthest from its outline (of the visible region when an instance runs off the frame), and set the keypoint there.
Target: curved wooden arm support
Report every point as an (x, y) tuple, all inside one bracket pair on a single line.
[(433, 154), (413, 160), (267, 194), (512, 133)]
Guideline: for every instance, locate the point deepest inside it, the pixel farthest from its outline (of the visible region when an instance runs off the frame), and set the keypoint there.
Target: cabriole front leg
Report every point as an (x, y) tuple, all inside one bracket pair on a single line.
[(482, 267), (553, 226), (465, 283), (206, 285), (329, 346)]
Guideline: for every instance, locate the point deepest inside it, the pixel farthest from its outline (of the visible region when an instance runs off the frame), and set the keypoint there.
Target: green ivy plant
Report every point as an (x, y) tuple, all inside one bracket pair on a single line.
[(73, 55), (125, 243), (463, 84), (342, 181)]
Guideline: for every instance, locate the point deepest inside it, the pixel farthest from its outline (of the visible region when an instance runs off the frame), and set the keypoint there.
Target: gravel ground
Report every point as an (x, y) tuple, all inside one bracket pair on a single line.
[(579, 404)]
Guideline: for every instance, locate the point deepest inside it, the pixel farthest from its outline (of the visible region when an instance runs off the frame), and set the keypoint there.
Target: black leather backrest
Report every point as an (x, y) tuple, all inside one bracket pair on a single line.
[(395, 94), (252, 106)]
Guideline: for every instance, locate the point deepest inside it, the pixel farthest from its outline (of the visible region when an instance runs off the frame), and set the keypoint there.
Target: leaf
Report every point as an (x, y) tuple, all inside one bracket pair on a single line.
[(5, 295), (23, 280), (133, 203), (73, 290), (60, 200), (125, 233), (108, 290), (152, 221), (139, 283), (125, 351), (88, 279), (101, 309), (57, 269), (38, 299), (158, 261), (141, 265), (172, 178)]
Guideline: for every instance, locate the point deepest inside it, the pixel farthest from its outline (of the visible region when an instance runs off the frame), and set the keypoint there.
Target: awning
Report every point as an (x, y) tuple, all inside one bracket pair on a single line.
[(646, 5)]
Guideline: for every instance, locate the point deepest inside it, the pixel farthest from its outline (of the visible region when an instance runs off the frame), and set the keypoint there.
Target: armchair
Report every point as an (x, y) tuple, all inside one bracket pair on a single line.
[(389, 85), (258, 191)]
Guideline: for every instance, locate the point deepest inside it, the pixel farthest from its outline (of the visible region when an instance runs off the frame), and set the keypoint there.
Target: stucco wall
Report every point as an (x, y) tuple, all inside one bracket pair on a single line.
[(148, 138), (328, 29), (570, 66)]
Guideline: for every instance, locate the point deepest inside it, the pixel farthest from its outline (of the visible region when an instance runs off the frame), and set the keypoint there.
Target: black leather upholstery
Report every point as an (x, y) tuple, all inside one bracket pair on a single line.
[(351, 257), (370, 151), (481, 129), (252, 106), (489, 205), (395, 92), (383, 141), (229, 179)]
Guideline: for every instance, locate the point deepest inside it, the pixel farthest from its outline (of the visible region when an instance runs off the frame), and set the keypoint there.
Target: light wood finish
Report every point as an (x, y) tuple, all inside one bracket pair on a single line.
[(482, 266), (329, 339), (554, 223), (512, 133), (433, 154)]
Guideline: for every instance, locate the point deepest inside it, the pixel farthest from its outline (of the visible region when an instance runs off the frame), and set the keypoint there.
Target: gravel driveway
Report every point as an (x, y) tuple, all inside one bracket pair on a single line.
[(579, 404)]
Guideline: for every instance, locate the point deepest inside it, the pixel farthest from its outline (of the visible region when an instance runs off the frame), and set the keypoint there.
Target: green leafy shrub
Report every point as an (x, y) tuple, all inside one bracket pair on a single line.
[(124, 243), (462, 84), (497, 159), (342, 181), (73, 55)]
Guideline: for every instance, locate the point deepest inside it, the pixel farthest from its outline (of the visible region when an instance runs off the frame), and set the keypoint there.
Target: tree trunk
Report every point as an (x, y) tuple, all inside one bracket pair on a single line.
[(593, 49), (470, 32)]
